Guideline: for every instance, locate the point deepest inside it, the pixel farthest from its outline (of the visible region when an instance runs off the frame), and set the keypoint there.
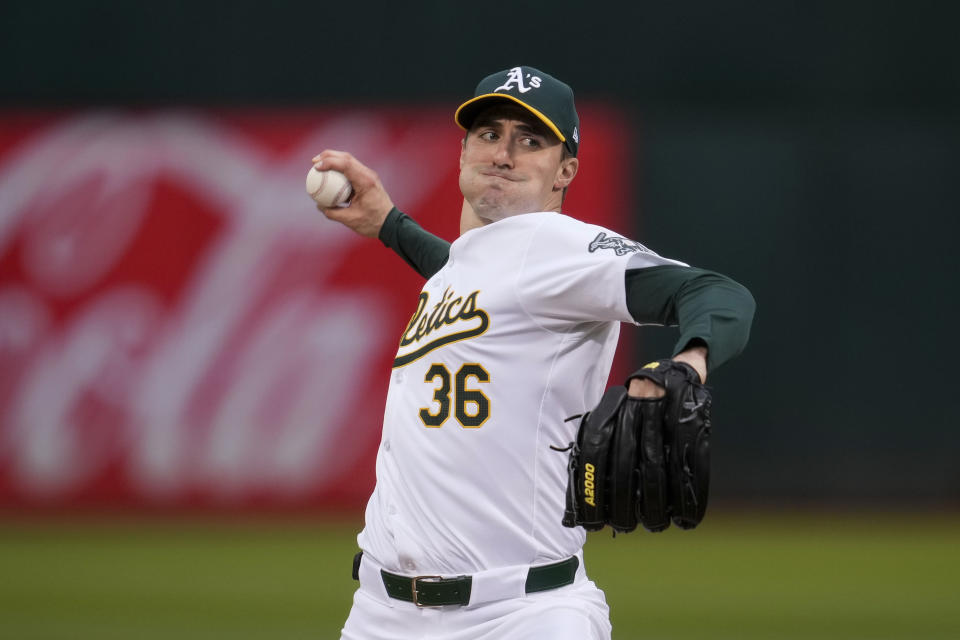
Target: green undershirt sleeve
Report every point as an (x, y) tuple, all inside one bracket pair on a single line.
[(419, 248), (709, 308)]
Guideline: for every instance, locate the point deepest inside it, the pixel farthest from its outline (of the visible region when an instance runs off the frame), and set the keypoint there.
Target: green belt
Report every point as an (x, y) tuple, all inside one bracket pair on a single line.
[(434, 591)]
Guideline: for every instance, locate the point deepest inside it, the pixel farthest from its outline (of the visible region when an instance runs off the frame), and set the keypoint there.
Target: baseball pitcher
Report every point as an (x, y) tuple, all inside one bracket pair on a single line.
[(500, 447)]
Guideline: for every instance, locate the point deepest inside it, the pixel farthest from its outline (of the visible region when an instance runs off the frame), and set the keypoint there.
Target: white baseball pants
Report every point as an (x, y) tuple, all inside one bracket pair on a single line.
[(575, 612)]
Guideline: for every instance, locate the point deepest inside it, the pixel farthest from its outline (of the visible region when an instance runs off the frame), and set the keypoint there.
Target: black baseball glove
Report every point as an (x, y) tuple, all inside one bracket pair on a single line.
[(640, 460)]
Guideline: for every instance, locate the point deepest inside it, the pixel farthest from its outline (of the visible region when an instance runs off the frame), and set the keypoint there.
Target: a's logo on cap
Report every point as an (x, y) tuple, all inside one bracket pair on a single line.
[(515, 76)]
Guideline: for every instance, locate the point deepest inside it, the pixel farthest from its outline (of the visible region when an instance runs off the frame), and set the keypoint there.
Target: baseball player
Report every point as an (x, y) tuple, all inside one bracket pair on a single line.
[(513, 333)]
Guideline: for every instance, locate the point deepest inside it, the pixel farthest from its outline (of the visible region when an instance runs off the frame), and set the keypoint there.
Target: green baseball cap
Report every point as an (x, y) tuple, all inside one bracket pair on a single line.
[(550, 100)]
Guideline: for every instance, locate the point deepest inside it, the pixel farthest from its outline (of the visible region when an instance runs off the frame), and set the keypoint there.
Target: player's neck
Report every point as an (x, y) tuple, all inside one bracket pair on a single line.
[(470, 220)]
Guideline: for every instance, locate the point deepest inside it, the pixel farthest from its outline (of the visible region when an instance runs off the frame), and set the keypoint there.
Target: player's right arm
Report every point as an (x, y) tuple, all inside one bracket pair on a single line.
[(371, 213), (370, 203), (419, 248)]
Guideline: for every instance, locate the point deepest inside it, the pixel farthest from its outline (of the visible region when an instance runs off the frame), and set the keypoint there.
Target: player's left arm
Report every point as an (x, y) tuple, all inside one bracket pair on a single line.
[(714, 313)]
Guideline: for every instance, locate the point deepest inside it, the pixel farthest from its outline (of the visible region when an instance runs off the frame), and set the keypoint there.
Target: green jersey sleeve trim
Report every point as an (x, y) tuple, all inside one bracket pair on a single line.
[(707, 306), (419, 248)]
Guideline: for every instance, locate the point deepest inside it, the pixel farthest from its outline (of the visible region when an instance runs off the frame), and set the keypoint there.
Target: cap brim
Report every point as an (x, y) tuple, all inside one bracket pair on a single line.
[(468, 110)]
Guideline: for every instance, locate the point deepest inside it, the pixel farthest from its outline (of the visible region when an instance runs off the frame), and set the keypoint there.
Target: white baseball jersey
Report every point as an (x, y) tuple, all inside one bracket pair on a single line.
[(512, 336)]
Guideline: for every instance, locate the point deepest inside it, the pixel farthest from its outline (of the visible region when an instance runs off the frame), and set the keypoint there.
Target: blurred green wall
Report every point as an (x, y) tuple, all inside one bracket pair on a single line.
[(809, 150)]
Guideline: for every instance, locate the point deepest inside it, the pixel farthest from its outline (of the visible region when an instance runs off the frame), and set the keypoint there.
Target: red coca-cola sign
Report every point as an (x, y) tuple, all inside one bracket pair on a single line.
[(178, 324)]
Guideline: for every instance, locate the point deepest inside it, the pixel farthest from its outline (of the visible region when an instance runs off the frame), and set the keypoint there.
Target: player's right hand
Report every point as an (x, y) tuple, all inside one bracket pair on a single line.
[(369, 205)]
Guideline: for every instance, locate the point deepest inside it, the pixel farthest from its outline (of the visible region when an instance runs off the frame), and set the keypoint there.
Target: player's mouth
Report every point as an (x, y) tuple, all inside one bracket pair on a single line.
[(492, 173)]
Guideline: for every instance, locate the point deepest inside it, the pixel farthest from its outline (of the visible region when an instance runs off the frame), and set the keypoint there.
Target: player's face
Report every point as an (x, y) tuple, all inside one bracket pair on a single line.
[(511, 163)]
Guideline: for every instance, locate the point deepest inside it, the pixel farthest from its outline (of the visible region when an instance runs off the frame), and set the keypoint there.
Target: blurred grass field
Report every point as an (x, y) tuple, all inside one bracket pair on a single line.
[(740, 575)]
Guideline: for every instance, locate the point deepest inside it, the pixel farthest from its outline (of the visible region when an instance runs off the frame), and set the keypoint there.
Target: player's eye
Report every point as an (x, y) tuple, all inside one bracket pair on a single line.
[(488, 135), (531, 142)]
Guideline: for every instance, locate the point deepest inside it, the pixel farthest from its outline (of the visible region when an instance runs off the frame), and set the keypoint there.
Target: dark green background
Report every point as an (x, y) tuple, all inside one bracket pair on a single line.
[(808, 149)]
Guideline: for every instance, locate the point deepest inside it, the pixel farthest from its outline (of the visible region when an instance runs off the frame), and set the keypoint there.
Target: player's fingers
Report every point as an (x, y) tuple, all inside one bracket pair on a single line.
[(331, 156), (645, 388), (360, 176), (337, 214)]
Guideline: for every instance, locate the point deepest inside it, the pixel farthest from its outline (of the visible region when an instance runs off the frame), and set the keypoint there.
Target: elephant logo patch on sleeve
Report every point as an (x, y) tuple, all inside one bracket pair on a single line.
[(621, 246)]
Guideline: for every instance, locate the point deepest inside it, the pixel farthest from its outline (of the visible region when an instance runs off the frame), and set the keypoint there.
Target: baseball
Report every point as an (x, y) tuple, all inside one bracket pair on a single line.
[(328, 188)]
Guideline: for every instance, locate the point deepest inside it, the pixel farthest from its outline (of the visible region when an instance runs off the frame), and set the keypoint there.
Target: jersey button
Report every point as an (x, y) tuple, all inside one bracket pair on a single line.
[(386, 445)]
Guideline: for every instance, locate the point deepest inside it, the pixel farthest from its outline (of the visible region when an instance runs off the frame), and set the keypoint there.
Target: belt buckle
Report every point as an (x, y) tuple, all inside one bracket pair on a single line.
[(416, 594)]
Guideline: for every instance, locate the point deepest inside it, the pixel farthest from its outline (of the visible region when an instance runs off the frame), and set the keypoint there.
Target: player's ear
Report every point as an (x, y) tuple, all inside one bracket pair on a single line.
[(463, 149), (566, 172)]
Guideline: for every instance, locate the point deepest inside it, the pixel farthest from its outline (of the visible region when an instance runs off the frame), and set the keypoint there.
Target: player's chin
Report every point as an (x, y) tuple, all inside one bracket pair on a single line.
[(489, 211), (493, 209)]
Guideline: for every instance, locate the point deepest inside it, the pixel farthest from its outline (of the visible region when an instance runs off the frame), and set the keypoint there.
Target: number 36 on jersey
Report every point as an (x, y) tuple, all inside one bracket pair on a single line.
[(456, 393)]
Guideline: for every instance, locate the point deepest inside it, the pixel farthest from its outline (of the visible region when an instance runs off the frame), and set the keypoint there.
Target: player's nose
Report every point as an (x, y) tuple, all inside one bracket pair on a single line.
[(502, 153)]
